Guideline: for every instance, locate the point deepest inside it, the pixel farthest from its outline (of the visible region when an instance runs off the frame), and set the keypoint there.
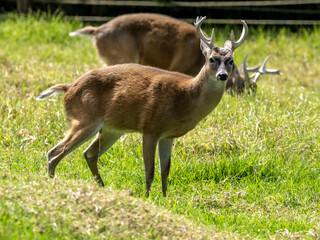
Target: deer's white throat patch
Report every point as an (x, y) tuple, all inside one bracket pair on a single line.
[(217, 85)]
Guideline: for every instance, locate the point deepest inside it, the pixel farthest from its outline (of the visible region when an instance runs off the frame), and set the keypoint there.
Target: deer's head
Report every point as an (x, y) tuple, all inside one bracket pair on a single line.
[(219, 60)]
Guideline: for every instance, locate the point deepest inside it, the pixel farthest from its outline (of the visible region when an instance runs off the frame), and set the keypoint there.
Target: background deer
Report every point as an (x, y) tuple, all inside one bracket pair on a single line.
[(239, 80), (149, 39), (162, 105)]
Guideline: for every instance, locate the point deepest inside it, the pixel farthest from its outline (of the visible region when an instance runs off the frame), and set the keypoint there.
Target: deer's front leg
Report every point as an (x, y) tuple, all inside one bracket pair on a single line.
[(149, 150), (102, 142), (165, 146)]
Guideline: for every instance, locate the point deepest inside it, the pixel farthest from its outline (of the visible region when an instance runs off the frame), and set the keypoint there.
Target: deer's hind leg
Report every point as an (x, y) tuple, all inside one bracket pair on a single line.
[(77, 135), (149, 149), (102, 142)]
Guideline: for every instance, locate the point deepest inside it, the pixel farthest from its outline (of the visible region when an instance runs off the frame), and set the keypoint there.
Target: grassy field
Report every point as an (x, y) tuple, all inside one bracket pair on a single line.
[(251, 169)]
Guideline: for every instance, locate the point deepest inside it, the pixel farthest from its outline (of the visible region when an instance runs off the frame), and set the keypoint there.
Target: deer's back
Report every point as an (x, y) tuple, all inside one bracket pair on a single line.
[(132, 97), (150, 39)]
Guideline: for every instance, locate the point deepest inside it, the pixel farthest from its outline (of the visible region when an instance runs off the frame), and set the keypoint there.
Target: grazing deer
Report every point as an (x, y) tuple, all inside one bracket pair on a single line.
[(162, 105), (148, 39), (239, 80)]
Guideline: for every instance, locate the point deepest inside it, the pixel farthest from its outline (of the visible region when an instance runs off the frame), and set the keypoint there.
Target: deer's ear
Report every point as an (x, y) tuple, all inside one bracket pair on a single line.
[(228, 45), (204, 48)]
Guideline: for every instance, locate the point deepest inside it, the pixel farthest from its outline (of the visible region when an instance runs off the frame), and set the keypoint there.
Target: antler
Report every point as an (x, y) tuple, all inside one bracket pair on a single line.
[(263, 68), (207, 41), (257, 71), (243, 36), (249, 69), (245, 69)]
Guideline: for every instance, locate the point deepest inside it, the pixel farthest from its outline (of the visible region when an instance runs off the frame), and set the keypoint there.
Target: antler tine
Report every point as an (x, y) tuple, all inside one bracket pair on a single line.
[(207, 41), (251, 69), (244, 62), (263, 68), (245, 66), (256, 76), (245, 69), (250, 82), (243, 36)]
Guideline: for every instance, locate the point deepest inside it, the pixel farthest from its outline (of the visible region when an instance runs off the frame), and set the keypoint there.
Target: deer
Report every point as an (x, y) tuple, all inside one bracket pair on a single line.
[(106, 103), (240, 80), (148, 39)]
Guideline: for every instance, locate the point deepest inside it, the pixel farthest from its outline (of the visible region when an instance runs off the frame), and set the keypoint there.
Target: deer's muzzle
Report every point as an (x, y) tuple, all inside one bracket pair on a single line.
[(222, 76)]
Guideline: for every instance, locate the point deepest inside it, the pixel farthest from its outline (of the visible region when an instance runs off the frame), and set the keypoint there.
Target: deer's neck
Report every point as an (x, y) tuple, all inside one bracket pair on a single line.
[(208, 84), (210, 91)]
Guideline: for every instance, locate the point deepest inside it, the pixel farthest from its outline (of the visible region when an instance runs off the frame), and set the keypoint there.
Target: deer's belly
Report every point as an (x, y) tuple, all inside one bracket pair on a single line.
[(180, 129)]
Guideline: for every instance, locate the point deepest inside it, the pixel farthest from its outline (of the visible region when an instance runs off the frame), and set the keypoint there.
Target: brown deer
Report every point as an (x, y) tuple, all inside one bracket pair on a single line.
[(162, 105), (149, 39), (240, 80)]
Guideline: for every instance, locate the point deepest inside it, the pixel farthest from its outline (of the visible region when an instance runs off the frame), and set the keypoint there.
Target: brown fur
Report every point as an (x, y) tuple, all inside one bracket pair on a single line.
[(148, 95), (149, 39), (237, 80)]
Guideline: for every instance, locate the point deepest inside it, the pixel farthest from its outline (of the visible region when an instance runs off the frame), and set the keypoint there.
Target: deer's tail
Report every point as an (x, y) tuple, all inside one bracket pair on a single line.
[(53, 91), (87, 31)]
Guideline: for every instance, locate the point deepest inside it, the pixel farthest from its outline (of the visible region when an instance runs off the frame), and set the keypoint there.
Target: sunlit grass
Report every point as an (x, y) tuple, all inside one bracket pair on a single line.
[(251, 167)]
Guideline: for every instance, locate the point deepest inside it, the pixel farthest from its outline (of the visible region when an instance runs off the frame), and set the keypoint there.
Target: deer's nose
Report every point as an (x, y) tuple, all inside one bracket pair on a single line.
[(222, 76)]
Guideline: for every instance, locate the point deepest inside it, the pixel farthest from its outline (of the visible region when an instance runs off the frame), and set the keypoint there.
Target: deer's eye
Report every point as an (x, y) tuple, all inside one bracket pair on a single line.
[(230, 62), (214, 60)]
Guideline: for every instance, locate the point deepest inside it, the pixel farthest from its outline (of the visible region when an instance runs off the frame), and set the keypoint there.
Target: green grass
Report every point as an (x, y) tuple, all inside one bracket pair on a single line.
[(43, 209), (251, 168)]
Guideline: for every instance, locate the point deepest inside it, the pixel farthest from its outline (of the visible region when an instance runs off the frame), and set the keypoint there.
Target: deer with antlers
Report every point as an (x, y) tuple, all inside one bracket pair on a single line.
[(160, 104), (240, 80)]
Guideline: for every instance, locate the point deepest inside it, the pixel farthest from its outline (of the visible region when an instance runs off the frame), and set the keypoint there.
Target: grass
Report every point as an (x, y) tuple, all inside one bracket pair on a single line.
[(251, 169), (42, 209)]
